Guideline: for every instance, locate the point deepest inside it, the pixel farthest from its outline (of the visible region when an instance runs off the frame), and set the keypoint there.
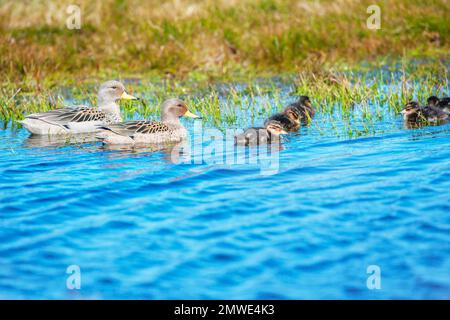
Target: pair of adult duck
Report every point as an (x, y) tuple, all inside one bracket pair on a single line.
[(289, 120), (107, 121), (436, 111)]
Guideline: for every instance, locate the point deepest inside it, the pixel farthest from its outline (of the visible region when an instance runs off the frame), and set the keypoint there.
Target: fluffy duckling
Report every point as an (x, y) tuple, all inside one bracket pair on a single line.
[(443, 103), (261, 135), (169, 129), (304, 108), (80, 119), (413, 113), (289, 119)]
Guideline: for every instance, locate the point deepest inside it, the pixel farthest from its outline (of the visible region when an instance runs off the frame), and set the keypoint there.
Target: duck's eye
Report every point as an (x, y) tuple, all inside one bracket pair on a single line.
[(114, 88)]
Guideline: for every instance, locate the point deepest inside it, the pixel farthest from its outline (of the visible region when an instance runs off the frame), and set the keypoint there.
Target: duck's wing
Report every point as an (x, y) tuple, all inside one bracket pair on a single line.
[(69, 114), (130, 128), (306, 112), (280, 117), (284, 120)]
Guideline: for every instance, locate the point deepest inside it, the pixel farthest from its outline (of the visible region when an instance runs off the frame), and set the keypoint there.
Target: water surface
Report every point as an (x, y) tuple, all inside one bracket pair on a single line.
[(140, 226)]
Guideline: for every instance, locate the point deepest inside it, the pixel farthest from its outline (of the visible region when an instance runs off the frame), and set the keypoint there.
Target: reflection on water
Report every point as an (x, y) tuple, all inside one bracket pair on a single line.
[(173, 153), (39, 141), (216, 152)]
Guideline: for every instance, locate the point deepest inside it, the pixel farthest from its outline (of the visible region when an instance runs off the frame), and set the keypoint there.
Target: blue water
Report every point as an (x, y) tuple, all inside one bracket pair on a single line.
[(140, 226)]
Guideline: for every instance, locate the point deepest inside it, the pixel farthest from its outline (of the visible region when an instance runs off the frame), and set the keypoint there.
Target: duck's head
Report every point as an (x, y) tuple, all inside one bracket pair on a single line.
[(410, 110), (292, 113), (173, 109), (111, 91), (304, 101), (275, 127), (433, 101)]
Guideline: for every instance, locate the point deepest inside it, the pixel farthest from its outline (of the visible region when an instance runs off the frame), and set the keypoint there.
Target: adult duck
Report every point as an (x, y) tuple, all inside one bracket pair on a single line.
[(169, 129), (80, 119)]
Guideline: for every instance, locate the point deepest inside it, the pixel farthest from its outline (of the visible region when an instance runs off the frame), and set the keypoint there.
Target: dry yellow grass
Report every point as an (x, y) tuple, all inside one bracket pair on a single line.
[(209, 36)]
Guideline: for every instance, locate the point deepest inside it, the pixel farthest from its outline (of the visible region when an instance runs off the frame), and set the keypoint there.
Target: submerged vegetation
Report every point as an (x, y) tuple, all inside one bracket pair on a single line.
[(225, 57)]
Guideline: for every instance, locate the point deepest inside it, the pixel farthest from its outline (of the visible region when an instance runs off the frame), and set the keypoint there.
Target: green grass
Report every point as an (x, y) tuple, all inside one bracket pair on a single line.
[(212, 38)]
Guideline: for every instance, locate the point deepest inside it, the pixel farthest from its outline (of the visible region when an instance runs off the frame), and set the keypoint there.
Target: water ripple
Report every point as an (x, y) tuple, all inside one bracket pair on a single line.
[(141, 227)]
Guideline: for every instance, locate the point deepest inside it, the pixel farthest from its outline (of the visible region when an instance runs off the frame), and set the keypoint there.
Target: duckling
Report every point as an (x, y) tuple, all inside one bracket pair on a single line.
[(289, 119), (80, 119), (443, 103), (169, 129), (304, 108), (261, 135), (413, 113)]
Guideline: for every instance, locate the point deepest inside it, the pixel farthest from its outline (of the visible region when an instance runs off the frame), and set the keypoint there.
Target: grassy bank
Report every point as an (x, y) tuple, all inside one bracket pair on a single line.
[(209, 37)]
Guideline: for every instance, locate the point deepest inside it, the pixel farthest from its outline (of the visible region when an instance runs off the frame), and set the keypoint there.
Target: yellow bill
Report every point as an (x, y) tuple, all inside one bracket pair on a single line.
[(127, 96), (191, 115)]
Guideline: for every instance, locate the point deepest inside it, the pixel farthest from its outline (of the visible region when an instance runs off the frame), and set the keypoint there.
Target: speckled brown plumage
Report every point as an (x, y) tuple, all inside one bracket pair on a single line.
[(304, 108), (70, 114), (130, 128), (413, 113)]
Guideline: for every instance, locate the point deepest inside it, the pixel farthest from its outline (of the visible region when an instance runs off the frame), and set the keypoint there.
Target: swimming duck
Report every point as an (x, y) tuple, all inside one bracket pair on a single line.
[(443, 103), (169, 129), (413, 113), (261, 135), (304, 108), (80, 119), (289, 119)]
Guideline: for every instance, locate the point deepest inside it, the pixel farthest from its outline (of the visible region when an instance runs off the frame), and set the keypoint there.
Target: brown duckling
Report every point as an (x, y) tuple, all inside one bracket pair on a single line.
[(304, 108), (413, 113), (261, 135), (443, 103), (289, 119)]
